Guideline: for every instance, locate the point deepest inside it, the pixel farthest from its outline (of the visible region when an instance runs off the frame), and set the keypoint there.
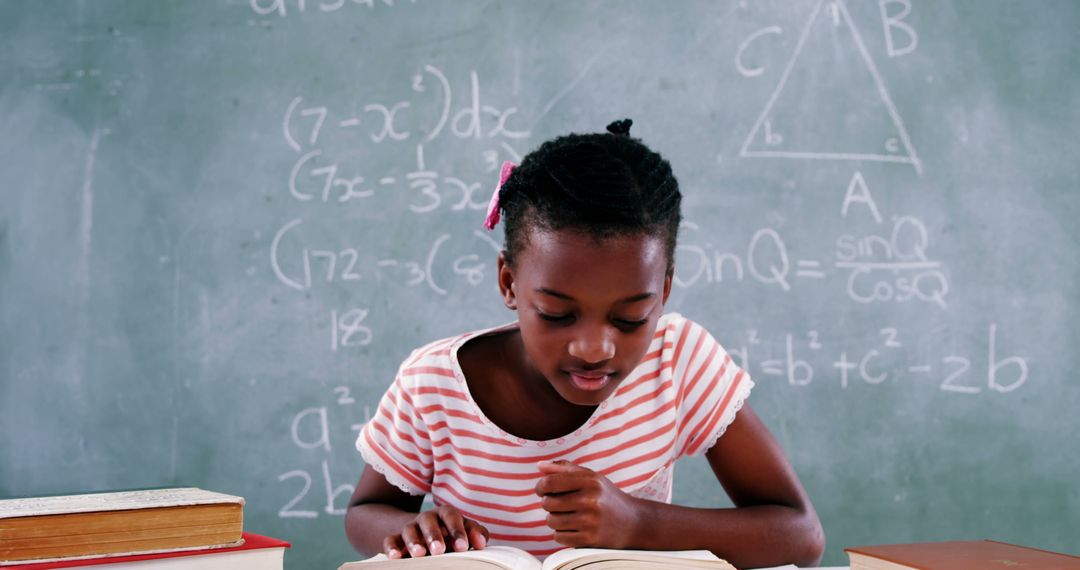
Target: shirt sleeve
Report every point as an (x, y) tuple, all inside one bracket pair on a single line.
[(711, 390), (396, 441)]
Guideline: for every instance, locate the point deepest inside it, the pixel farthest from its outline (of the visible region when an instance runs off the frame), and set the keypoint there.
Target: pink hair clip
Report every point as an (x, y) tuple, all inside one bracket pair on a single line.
[(493, 206)]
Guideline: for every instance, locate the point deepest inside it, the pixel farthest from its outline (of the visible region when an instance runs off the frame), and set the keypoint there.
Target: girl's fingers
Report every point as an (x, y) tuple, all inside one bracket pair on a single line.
[(394, 547), (478, 534), (436, 532), (432, 531), (567, 482), (563, 503), (562, 522), (571, 538), (414, 540), (454, 525), (561, 466)]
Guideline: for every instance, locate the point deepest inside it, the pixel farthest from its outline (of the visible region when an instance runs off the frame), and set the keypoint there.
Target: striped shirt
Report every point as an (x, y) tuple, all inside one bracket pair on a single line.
[(429, 435)]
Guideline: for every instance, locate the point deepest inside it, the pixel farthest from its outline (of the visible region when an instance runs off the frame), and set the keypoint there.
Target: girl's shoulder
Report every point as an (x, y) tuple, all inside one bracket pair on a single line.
[(442, 352), (675, 325), (672, 320), (685, 340)]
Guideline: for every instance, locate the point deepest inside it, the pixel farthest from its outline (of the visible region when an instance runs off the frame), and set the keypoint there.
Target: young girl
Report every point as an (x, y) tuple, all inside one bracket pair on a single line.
[(562, 428)]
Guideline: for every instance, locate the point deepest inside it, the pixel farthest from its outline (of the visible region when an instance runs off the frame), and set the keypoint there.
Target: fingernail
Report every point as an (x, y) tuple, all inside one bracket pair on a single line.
[(416, 550), (393, 554), (461, 545), (437, 547), (482, 541)]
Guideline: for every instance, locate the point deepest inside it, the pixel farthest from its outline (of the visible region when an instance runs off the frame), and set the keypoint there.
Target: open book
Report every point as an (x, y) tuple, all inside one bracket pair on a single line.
[(509, 558)]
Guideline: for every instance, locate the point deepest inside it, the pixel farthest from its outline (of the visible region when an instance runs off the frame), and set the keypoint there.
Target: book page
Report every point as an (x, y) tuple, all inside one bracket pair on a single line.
[(494, 557), (115, 501), (572, 558)]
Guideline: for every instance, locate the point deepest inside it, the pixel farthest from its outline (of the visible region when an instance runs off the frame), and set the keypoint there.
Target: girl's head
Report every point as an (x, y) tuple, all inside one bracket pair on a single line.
[(599, 185), (591, 224)]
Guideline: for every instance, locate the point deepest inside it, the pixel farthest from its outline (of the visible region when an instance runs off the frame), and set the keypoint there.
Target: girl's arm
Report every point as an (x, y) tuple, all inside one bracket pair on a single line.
[(383, 518), (772, 523)]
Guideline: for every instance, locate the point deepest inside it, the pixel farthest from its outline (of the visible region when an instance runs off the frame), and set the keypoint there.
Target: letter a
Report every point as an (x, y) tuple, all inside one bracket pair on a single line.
[(324, 428), (863, 196), (275, 6)]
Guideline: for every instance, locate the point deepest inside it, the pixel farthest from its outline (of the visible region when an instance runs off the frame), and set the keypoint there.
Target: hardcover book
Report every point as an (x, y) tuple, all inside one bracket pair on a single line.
[(124, 522), (958, 555), (256, 553)]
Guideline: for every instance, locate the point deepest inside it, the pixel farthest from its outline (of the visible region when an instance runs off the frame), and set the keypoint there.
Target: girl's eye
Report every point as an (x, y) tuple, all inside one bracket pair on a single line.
[(630, 325), (555, 318), (627, 325)]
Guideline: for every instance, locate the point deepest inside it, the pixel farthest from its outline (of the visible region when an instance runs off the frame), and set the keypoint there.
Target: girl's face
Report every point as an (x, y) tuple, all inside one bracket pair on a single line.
[(588, 310)]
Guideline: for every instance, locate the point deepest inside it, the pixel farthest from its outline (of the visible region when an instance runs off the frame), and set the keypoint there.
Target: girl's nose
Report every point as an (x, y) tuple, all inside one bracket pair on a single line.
[(592, 347)]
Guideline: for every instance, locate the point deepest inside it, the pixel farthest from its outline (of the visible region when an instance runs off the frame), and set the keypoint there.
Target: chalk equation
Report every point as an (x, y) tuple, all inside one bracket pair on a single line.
[(312, 179), (889, 264), (806, 359), (304, 123), (876, 268), (308, 265), (282, 7)]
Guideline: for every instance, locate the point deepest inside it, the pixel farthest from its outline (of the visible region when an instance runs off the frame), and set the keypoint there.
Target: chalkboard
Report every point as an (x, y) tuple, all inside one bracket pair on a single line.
[(225, 223)]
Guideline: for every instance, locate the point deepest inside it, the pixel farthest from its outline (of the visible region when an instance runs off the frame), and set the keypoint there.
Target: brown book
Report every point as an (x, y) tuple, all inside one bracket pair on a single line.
[(958, 555), (125, 522)]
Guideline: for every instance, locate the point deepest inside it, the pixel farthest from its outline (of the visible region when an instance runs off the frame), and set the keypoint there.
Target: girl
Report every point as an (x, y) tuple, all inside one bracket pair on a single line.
[(561, 429)]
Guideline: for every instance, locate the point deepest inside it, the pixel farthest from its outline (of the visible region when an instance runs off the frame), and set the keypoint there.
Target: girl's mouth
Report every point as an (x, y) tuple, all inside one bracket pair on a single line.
[(589, 382)]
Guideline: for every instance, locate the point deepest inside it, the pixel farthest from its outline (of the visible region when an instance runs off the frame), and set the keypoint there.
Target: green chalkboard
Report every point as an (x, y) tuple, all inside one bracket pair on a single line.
[(224, 223)]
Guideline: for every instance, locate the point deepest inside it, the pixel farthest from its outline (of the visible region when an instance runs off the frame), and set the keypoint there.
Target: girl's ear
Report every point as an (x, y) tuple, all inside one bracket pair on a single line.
[(506, 282), (667, 284)]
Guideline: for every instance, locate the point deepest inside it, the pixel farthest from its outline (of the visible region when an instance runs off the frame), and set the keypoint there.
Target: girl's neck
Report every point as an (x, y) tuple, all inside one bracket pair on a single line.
[(512, 393)]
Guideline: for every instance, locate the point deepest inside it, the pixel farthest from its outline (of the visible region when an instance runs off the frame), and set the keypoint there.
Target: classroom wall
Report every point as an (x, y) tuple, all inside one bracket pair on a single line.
[(225, 223)]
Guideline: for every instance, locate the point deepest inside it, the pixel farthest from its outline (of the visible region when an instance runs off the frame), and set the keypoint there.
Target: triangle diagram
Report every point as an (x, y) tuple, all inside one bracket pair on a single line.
[(830, 102)]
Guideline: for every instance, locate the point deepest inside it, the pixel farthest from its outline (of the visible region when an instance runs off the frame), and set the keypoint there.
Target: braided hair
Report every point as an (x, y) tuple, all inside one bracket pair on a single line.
[(603, 185)]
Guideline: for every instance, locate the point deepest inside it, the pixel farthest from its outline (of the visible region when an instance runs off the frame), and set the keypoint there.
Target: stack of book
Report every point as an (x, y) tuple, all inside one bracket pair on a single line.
[(159, 528)]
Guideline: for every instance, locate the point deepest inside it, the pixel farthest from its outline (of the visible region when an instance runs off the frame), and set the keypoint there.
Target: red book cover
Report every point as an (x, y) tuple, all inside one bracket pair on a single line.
[(966, 555), (251, 542)]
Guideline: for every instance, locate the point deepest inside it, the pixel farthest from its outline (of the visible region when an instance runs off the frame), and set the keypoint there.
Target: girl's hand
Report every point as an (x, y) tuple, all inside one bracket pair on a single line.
[(436, 531), (585, 509)]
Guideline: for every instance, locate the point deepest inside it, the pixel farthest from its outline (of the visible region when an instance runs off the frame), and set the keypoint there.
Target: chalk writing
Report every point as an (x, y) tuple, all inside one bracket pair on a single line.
[(766, 138), (311, 432), (348, 330), (310, 265), (285, 7), (802, 355), (908, 274), (304, 123), (739, 64), (895, 22)]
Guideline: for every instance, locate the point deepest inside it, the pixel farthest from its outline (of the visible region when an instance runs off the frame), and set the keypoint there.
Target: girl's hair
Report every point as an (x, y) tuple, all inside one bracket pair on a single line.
[(600, 184)]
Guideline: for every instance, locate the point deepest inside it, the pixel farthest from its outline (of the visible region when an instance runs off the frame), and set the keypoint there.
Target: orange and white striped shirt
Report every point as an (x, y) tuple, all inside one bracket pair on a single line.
[(429, 435)]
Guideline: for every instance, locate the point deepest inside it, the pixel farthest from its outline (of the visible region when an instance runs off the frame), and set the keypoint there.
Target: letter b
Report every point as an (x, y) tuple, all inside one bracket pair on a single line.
[(897, 22)]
